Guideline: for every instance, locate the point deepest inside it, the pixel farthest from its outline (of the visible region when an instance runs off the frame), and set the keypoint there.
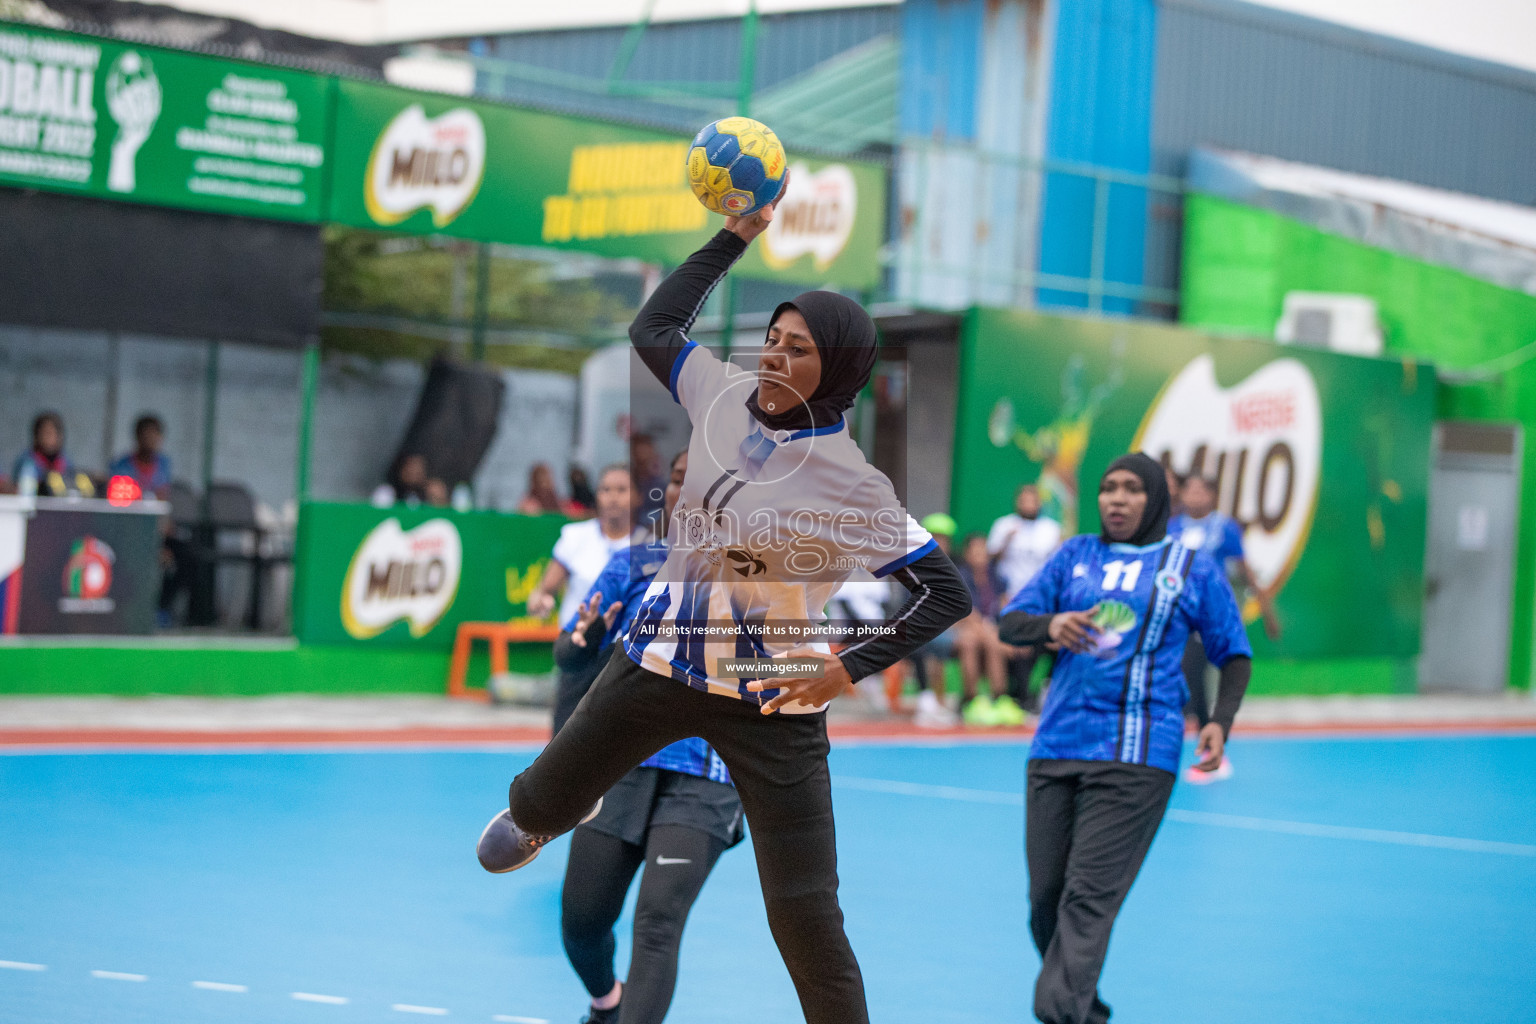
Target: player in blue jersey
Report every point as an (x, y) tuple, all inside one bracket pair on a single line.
[(676, 814), (778, 509), (1106, 750), (1202, 526)]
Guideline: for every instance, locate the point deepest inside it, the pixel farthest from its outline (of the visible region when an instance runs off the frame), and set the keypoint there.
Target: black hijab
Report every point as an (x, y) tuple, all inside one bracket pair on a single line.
[(1154, 518), (845, 336)]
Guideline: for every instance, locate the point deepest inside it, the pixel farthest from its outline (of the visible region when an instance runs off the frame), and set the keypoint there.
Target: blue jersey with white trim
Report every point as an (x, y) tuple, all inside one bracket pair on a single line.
[(1125, 700), (624, 580), (770, 523), (1217, 534)]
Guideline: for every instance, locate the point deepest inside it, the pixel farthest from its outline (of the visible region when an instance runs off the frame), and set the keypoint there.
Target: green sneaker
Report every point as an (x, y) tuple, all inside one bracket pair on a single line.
[(979, 711), (1006, 711)]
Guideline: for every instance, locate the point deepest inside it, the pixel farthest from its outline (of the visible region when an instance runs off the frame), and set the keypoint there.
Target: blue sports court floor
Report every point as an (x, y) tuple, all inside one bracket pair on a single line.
[(1331, 880)]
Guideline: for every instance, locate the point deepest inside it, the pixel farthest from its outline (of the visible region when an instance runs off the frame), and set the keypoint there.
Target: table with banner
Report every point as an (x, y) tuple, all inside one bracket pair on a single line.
[(79, 566)]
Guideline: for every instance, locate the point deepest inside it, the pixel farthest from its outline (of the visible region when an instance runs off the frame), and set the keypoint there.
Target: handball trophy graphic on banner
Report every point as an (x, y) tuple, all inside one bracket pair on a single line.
[(134, 99)]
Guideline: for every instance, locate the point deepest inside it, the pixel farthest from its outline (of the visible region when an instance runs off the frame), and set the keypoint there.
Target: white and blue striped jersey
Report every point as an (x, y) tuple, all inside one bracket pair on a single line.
[(1125, 700), (769, 525)]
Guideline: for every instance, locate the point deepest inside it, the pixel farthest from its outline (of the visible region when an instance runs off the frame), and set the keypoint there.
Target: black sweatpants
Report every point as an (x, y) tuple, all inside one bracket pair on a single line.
[(677, 862), (779, 765), (1088, 825)]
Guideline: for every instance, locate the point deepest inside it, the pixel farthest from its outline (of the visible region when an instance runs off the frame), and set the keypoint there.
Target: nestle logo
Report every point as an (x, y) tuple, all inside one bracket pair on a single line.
[(1264, 412)]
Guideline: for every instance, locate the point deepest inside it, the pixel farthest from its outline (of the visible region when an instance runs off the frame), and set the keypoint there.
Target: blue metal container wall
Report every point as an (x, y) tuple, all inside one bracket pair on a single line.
[(1100, 113), (694, 51), (939, 54), (1237, 76), (967, 180)]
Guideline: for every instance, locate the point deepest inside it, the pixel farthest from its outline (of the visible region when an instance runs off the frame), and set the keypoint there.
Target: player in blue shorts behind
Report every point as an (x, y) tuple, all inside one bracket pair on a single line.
[(1121, 604)]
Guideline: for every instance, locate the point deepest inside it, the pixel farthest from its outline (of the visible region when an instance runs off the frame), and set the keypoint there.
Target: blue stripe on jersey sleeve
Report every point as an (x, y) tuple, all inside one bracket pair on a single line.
[(906, 559), (677, 369)]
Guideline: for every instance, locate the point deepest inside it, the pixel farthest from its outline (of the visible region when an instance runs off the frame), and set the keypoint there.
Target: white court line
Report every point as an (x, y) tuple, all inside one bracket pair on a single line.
[(973, 796), (1238, 821), (119, 976), (519, 1020), (219, 986), (311, 997), (17, 965), (431, 1011), (1367, 835)]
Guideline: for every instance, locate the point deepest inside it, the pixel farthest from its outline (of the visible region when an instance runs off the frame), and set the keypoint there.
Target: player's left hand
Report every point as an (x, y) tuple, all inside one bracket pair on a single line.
[(748, 228), (814, 690), (1209, 747)]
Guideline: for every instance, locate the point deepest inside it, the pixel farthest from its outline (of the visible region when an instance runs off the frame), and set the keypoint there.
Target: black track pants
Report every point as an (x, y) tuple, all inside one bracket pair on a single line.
[(779, 765), (677, 862), (1088, 826)]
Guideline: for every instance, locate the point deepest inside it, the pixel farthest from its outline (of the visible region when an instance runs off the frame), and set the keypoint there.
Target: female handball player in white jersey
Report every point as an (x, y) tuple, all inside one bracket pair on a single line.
[(778, 508)]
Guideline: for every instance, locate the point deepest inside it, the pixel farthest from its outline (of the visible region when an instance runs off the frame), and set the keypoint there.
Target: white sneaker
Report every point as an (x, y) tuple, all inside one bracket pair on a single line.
[(932, 714)]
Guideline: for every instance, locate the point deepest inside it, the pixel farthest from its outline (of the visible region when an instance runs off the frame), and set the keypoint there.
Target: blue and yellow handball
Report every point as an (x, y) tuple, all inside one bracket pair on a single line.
[(736, 166)]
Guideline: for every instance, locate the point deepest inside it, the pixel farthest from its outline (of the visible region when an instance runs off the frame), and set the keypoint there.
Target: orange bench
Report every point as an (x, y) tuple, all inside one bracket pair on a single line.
[(497, 636)]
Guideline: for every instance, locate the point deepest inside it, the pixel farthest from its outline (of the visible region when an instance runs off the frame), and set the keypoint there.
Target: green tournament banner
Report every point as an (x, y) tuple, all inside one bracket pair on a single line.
[(1322, 458), (114, 120), (428, 163), (408, 576)]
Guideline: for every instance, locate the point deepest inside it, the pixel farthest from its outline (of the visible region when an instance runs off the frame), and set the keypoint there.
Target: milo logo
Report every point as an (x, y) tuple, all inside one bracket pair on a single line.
[(426, 163), (815, 217), (1260, 441), (398, 574)]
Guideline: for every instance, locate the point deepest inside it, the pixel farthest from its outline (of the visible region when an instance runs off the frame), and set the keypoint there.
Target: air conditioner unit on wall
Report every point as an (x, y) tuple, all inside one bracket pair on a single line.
[(1341, 323)]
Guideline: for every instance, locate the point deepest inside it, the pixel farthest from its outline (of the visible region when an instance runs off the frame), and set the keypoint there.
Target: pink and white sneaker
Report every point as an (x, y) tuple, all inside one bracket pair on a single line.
[(1194, 776)]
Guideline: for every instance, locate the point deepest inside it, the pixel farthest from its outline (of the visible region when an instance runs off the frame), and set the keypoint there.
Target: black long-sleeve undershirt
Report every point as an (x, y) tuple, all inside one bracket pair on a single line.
[(660, 330), (1023, 630), (938, 600)]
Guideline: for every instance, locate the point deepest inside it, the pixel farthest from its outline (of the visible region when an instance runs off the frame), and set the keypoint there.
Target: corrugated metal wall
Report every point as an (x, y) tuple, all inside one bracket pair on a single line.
[(1101, 103), (1237, 76), (674, 52), (974, 75)]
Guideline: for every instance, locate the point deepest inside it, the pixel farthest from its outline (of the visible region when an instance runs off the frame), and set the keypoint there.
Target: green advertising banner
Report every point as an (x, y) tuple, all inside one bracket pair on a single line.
[(428, 163), (116, 121), (1323, 458), (406, 577)]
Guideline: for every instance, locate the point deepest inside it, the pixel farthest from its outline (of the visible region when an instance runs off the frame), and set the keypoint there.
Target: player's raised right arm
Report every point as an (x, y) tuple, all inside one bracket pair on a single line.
[(660, 330)]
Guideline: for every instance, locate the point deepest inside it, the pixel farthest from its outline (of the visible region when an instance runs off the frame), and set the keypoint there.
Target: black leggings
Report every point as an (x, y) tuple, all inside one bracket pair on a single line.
[(677, 862), (779, 765)]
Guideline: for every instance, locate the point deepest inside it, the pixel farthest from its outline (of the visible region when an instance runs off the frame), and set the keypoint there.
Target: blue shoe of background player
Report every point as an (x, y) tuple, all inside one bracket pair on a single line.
[(504, 847)]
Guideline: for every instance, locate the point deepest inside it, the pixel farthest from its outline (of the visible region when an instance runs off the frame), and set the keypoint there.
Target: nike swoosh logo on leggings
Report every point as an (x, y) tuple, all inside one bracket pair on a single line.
[(672, 860)]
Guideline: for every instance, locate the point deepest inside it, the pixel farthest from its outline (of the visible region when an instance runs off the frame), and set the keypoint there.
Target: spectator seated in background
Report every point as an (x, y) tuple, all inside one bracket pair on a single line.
[(408, 483), (150, 469), (543, 499), (585, 548), (582, 496), (146, 464), (46, 470), (980, 651), (645, 466)]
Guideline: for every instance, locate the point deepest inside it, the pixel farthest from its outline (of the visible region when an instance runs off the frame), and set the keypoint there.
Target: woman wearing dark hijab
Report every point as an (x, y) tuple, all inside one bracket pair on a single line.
[(778, 507), (1121, 604)]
